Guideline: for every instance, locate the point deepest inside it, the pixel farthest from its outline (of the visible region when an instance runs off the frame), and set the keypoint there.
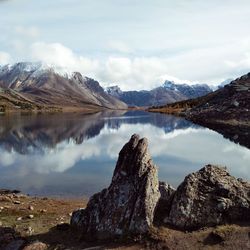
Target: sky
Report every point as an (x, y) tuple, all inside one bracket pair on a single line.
[(136, 44)]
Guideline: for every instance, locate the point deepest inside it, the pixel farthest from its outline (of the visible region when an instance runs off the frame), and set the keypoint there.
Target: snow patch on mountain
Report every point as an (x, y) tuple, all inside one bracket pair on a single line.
[(36, 69)]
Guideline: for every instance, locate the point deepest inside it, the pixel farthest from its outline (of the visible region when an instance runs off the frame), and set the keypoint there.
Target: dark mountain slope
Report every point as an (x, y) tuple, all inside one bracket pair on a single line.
[(226, 110)]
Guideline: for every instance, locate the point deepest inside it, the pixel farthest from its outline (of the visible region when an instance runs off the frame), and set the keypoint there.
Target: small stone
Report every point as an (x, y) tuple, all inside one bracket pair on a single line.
[(43, 210), (19, 218), (17, 202), (31, 208), (30, 230), (30, 216)]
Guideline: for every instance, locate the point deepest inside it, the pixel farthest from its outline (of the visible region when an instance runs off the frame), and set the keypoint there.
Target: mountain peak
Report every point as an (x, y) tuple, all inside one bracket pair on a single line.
[(114, 90), (170, 85)]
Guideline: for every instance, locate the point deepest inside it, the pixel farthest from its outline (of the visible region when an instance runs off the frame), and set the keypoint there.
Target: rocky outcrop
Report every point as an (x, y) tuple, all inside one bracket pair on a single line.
[(128, 204), (135, 200), (210, 197), (226, 111)]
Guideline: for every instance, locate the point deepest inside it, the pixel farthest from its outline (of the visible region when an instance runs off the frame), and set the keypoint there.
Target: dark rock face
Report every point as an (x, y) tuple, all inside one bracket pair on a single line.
[(164, 204), (128, 204), (210, 197)]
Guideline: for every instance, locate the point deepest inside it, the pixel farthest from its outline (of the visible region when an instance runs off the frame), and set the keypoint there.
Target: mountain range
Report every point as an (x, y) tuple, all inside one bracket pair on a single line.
[(168, 92), (38, 86)]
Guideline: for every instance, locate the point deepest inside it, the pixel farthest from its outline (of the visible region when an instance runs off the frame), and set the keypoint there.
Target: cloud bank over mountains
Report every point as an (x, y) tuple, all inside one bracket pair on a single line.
[(134, 44)]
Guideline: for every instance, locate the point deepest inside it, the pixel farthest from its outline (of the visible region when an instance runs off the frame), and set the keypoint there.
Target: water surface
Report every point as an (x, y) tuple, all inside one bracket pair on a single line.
[(75, 154)]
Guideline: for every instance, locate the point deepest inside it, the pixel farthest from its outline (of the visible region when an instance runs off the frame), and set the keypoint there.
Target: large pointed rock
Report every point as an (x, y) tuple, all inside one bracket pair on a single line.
[(128, 204), (210, 197)]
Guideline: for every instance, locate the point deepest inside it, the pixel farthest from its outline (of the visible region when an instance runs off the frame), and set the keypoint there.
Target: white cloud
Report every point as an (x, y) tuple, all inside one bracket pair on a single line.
[(143, 73), (61, 56), (4, 58), (135, 73), (206, 65)]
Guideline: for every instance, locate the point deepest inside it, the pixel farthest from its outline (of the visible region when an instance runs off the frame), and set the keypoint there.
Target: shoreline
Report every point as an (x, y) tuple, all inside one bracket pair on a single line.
[(45, 220)]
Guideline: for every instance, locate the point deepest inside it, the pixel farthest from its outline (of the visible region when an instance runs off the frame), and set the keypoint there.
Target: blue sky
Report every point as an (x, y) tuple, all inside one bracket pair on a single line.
[(135, 44)]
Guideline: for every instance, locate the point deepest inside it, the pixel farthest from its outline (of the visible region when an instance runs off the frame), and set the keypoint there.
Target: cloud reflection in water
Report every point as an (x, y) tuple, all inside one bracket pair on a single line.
[(76, 154)]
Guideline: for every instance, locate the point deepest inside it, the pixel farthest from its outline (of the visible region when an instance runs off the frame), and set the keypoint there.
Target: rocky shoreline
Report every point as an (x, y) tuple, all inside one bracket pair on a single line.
[(209, 210)]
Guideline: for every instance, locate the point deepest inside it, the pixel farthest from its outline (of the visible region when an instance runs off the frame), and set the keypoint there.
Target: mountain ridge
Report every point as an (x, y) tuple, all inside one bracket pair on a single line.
[(45, 86), (168, 92)]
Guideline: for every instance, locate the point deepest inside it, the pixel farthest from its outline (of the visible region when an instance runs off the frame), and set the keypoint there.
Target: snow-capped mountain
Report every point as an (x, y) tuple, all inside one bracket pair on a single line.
[(49, 85), (168, 92), (190, 91), (114, 91), (35, 69)]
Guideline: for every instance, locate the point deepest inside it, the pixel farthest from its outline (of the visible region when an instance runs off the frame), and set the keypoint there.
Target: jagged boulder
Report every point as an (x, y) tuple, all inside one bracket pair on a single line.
[(128, 204), (210, 197)]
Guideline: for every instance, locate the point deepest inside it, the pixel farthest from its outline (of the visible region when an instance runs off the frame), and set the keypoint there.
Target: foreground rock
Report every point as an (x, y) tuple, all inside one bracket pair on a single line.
[(210, 197), (135, 200), (128, 204)]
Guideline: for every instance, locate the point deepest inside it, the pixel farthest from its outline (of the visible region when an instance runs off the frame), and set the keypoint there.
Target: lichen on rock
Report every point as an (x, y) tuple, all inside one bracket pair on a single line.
[(209, 197)]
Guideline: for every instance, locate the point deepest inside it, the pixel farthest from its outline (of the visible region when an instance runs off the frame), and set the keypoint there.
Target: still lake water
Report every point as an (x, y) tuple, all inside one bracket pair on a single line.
[(75, 154)]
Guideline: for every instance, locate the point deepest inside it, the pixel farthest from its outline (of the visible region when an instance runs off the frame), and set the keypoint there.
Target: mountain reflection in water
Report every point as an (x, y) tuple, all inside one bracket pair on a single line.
[(75, 154)]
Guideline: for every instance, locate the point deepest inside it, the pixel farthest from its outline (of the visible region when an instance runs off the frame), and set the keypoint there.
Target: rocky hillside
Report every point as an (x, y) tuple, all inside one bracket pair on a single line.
[(46, 86), (169, 92), (226, 110), (230, 104)]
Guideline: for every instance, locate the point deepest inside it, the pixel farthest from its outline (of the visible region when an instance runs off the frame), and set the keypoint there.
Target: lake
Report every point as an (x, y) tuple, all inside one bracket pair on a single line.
[(74, 154)]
